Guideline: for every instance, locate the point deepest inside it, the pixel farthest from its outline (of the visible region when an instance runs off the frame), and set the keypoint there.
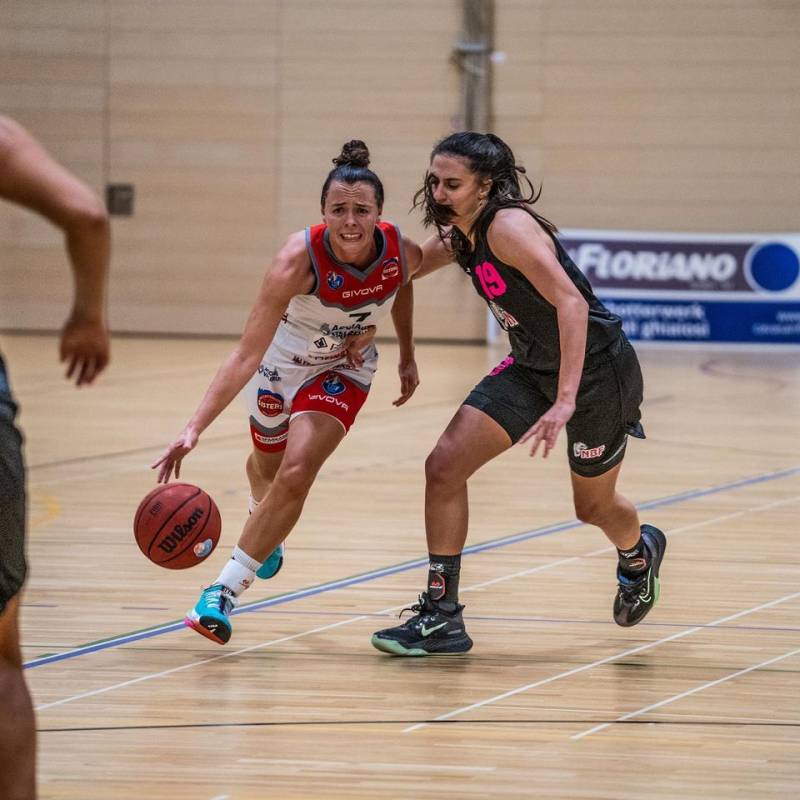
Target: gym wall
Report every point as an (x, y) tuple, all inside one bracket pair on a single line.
[(681, 115)]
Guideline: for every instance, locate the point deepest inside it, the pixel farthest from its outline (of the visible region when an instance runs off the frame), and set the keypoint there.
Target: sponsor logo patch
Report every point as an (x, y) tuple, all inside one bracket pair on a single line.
[(390, 268), (333, 384), (272, 375), (582, 451), (506, 319), (503, 365), (334, 280), (270, 404), (367, 291), (326, 398), (202, 549), (436, 586)]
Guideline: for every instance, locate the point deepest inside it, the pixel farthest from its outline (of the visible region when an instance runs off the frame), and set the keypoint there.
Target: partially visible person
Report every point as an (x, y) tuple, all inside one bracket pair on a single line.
[(307, 359), (570, 367), (31, 178)]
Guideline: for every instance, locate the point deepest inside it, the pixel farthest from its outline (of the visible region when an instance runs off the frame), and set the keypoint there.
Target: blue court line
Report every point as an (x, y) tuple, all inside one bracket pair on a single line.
[(137, 636)]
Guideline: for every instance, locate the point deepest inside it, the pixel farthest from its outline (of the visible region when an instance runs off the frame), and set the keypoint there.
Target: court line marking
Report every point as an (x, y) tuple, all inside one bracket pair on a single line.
[(678, 720), (610, 548), (599, 662), (680, 696), (129, 638), (362, 617), (141, 678)]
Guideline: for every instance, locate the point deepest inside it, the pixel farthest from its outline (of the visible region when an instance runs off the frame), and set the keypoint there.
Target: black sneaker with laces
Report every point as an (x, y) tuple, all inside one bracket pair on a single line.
[(636, 595), (436, 629)]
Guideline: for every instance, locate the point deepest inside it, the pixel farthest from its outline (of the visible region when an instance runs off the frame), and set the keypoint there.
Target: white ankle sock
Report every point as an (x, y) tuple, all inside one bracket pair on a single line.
[(239, 572)]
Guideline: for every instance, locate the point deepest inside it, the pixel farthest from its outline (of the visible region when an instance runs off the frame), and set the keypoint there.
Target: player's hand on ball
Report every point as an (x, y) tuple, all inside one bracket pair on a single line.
[(172, 457)]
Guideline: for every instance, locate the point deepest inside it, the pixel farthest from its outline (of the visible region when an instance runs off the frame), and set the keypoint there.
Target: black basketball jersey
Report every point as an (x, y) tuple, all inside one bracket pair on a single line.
[(530, 320)]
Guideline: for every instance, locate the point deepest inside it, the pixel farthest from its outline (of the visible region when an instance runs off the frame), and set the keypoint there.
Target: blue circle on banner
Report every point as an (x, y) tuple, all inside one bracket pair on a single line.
[(772, 267)]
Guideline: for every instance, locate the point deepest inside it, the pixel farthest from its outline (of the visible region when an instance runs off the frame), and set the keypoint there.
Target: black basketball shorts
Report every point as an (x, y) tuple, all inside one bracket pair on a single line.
[(12, 498), (606, 413)]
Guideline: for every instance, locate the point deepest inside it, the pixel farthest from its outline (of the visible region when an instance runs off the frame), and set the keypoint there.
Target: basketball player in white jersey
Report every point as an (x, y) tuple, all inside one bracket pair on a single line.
[(307, 359)]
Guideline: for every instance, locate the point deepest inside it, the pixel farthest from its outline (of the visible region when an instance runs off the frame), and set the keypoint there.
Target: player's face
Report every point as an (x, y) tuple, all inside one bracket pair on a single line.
[(456, 187), (351, 212)]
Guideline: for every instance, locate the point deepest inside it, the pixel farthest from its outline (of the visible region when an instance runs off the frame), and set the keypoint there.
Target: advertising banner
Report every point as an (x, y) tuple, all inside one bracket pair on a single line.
[(695, 287)]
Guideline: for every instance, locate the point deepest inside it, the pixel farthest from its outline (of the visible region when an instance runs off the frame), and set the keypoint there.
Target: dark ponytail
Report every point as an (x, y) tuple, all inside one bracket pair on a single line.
[(488, 157), (352, 166)]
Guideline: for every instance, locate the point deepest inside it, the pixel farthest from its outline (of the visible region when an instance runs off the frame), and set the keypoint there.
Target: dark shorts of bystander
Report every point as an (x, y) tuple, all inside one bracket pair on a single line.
[(13, 567), (607, 407)]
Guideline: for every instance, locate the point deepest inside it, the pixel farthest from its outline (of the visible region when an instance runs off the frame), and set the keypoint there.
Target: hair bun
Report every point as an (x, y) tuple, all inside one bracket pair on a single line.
[(354, 153)]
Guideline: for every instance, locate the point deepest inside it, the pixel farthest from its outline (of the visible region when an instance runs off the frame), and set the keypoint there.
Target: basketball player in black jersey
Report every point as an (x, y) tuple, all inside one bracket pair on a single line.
[(570, 366), (31, 178)]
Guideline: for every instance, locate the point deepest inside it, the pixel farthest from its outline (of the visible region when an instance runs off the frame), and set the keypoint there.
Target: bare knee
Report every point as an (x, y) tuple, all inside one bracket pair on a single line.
[(294, 480), (442, 467), (593, 512)]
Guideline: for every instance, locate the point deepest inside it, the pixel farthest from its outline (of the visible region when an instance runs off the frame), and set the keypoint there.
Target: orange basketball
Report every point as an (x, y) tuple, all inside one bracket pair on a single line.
[(177, 525)]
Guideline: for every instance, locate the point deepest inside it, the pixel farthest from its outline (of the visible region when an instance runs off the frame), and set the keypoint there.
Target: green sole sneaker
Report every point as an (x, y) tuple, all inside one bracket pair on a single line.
[(437, 629), (636, 596)]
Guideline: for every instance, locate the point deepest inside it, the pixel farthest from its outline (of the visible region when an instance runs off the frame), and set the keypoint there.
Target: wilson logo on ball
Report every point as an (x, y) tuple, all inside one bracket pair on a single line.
[(180, 532)]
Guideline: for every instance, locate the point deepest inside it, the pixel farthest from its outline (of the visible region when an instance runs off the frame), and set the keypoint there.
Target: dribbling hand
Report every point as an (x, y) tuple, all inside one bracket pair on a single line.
[(172, 457)]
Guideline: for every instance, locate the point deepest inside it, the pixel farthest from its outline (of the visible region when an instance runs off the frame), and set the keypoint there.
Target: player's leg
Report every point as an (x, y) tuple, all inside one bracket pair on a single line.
[(607, 413), (323, 410), (17, 723), (640, 548), (17, 726), (494, 416), (437, 627), (268, 396), (262, 467), (312, 438)]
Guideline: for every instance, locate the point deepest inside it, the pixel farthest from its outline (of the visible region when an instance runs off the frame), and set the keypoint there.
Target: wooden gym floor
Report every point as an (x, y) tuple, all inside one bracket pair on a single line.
[(555, 701)]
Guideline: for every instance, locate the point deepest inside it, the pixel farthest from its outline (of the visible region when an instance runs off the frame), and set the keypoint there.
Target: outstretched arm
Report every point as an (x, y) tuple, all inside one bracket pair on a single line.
[(403, 320), (435, 254), (288, 275), (30, 177)]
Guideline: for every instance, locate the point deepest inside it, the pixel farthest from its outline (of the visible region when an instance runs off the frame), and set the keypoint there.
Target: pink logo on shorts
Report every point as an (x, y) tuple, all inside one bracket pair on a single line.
[(584, 452), (504, 364)]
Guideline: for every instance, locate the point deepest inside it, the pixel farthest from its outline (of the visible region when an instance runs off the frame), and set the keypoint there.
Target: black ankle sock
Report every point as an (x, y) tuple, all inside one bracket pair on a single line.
[(443, 573), (635, 560)]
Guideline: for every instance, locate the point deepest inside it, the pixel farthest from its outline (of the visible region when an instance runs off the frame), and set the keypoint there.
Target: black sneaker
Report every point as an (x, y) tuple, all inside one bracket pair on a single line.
[(637, 595), (434, 629)]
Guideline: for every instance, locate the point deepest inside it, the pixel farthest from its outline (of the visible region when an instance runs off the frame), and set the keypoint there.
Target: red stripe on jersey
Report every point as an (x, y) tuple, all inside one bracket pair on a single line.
[(342, 285)]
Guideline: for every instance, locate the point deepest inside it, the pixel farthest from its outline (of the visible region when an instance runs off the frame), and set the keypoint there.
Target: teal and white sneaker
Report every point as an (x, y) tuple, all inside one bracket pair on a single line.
[(272, 564), (210, 616)]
